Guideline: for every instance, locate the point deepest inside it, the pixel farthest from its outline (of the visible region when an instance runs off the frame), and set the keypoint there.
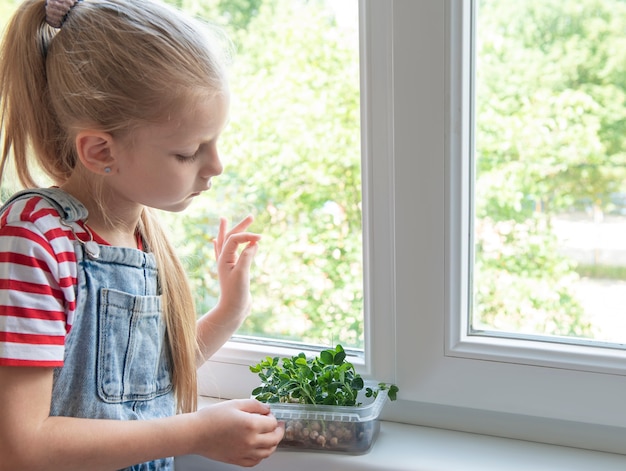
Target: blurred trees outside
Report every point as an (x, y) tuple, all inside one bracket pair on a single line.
[(550, 136)]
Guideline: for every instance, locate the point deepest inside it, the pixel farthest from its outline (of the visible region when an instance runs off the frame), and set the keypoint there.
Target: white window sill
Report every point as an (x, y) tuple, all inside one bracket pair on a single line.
[(401, 447)]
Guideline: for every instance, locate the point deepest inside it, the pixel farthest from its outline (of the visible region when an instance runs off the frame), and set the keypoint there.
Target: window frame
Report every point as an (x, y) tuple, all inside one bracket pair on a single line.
[(551, 352), (416, 101)]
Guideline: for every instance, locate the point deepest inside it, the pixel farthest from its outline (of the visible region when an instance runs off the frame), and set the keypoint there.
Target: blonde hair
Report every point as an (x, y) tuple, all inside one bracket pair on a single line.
[(113, 65)]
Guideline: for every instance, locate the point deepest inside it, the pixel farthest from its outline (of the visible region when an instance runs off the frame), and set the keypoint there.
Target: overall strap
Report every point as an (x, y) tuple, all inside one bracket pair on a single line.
[(68, 207)]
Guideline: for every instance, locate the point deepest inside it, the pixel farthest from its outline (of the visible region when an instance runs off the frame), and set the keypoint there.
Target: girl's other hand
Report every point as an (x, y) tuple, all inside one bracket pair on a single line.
[(241, 432)]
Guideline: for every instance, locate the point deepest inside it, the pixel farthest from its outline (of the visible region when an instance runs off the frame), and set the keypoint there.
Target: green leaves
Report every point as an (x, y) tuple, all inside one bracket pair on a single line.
[(326, 379), (391, 394), (330, 357)]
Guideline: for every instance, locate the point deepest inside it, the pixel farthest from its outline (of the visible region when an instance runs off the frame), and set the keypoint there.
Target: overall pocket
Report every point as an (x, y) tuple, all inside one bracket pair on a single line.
[(133, 356)]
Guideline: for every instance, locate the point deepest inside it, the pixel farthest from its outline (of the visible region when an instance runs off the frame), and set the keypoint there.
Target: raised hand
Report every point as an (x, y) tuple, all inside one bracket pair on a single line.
[(233, 265), (233, 270)]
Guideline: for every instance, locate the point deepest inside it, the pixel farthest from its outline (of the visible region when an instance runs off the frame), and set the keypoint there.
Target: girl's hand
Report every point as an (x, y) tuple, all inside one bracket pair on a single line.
[(233, 267), (241, 432), (233, 271)]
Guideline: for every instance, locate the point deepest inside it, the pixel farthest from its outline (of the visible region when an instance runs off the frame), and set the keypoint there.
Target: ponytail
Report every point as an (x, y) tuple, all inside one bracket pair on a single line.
[(27, 118)]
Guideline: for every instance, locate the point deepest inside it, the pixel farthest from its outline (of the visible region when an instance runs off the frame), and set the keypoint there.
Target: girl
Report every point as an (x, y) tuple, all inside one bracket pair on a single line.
[(121, 103)]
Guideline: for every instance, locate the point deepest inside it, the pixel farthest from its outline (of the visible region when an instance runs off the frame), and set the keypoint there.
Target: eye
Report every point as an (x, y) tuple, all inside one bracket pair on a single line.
[(187, 158)]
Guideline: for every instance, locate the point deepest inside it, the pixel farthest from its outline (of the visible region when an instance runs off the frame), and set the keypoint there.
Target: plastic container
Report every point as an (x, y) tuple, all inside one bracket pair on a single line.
[(341, 429)]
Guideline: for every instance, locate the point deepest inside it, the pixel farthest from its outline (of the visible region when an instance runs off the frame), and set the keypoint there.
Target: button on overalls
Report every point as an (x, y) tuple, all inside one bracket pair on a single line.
[(117, 362)]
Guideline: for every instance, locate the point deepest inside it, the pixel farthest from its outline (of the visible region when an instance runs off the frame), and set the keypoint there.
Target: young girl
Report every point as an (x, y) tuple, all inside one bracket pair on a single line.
[(120, 103)]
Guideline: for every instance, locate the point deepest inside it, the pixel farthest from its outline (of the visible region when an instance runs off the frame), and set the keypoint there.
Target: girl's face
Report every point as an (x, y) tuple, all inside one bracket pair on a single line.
[(166, 165)]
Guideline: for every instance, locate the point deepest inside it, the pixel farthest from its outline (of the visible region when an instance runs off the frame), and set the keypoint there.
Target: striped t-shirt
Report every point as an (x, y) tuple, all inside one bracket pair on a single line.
[(37, 283)]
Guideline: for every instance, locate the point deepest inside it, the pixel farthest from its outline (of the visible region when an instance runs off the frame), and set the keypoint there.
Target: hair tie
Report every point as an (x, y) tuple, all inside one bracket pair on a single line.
[(57, 11)]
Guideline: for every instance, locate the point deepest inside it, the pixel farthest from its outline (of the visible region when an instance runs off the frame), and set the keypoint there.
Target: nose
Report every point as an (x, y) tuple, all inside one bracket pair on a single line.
[(211, 164)]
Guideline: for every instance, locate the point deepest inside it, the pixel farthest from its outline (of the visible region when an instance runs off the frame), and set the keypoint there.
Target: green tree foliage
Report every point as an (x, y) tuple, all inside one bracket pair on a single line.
[(551, 131), (552, 98), (300, 133), (234, 15)]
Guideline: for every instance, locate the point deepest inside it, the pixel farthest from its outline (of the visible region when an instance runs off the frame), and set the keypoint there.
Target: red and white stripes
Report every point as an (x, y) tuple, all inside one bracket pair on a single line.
[(37, 283)]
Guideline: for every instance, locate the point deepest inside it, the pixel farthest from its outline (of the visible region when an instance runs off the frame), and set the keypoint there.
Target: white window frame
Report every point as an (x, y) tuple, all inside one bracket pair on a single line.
[(416, 101)]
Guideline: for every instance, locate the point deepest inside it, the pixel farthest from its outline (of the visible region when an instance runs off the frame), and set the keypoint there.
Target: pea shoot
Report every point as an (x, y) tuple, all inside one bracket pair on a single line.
[(327, 379)]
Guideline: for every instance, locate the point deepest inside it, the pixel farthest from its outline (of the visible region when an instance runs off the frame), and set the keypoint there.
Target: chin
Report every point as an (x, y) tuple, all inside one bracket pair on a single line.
[(174, 207), (180, 207)]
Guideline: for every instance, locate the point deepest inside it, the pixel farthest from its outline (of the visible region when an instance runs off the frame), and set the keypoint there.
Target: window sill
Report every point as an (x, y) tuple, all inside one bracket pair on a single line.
[(401, 447)]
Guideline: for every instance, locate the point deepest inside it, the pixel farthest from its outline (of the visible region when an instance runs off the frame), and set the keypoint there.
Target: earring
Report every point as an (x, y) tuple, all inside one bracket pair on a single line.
[(107, 169)]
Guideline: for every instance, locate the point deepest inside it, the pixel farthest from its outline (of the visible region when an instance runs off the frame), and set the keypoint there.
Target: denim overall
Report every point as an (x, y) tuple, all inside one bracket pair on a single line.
[(117, 362)]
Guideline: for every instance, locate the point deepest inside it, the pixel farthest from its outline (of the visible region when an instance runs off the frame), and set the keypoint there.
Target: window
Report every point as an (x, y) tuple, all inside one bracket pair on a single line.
[(416, 100), (548, 173)]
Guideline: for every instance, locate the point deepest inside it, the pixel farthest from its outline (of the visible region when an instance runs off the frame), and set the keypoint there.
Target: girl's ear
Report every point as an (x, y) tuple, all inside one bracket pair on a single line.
[(94, 151)]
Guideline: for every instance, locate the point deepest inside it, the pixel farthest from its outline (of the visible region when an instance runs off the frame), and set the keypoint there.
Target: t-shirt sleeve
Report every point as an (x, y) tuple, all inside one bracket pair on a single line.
[(33, 296)]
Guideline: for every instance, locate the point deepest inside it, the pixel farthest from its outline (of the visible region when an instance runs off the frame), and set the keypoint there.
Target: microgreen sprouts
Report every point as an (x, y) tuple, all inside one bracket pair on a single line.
[(326, 379)]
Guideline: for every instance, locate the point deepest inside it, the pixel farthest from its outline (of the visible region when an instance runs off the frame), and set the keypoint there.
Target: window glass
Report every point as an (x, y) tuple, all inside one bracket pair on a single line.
[(549, 226), (292, 159)]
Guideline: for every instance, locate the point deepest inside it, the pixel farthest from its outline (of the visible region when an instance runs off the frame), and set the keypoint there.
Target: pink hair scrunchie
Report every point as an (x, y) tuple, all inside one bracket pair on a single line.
[(57, 10)]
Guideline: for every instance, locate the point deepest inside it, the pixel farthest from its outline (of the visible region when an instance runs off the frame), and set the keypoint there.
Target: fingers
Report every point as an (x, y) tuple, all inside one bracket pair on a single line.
[(241, 431), (276, 435), (253, 406), (243, 224), (229, 254), (219, 240), (223, 236), (269, 440), (271, 427), (269, 432)]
